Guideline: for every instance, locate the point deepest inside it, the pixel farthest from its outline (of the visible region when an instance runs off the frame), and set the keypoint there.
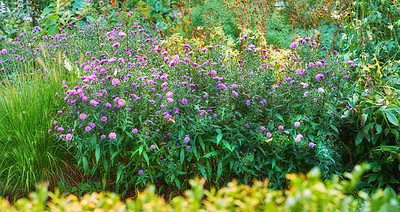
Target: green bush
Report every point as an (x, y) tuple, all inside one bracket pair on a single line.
[(306, 193)]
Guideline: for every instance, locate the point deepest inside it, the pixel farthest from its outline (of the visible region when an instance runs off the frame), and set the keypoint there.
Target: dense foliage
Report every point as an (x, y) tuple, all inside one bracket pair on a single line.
[(306, 193), (117, 94)]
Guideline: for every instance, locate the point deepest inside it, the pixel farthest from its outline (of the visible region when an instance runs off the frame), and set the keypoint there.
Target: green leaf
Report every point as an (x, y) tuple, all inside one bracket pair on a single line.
[(226, 144), (219, 137), (210, 154), (85, 165), (97, 153), (202, 144), (392, 118), (359, 138), (278, 116), (146, 158), (182, 156), (219, 172), (378, 129), (177, 183), (202, 170)]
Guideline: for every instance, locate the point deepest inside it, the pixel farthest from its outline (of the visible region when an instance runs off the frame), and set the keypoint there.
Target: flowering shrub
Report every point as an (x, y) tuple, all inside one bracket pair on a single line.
[(139, 113)]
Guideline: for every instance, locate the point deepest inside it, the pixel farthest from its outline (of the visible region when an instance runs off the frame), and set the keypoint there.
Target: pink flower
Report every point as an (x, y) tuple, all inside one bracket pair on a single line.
[(112, 135), (134, 131), (115, 82), (93, 102), (82, 116), (293, 45), (305, 94), (169, 94), (187, 139), (321, 90), (152, 147), (121, 102), (298, 137), (170, 100), (297, 124), (280, 127), (311, 144), (269, 134), (103, 119), (68, 137), (88, 128), (184, 101), (235, 93)]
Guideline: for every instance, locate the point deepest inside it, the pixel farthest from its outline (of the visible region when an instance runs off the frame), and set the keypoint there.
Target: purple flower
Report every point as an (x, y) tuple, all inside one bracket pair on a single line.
[(346, 76), (82, 116), (287, 132), (311, 64), (140, 171), (122, 34), (293, 45), (297, 124), (235, 93), (115, 82), (116, 44), (262, 128), (315, 100), (305, 94), (319, 76), (93, 102), (134, 131), (187, 139), (280, 127), (152, 147), (68, 137), (311, 144), (184, 101), (103, 137), (247, 102), (103, 119), (269, 134), (169, 94), (188, 147), (92, 125), (112, 135), (88, 128), (213, 72), (121, 102), (298, 137)]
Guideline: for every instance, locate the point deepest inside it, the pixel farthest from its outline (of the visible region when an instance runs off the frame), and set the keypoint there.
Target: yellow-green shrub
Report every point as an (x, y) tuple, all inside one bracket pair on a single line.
[(306, 193)]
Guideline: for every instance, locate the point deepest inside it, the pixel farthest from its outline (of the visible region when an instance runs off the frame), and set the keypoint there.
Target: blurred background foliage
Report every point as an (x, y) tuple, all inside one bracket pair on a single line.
[(364, 31)]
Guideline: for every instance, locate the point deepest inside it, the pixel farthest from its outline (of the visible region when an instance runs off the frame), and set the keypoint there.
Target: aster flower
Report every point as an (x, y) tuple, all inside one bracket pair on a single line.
[(82, 116), (68, 137), (112, 135), (121, 102), (115, 82)]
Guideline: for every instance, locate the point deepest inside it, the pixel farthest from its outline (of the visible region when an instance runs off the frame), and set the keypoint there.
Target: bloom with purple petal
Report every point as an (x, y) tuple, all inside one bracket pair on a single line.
[(112, 135)]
